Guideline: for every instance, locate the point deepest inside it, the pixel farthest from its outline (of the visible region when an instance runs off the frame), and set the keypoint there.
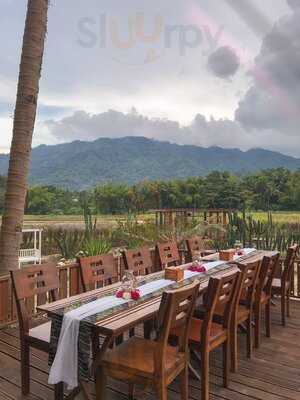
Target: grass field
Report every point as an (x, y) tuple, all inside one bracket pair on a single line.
[(279, 216), (109, 220)]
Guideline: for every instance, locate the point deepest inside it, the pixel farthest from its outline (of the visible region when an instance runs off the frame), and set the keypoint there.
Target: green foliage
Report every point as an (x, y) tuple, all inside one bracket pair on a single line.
[(265, 235), (112, 199), (43, 200), (276, 189), (39, 200), (66, 241), (96, 246), (132, 233), (90, 225)]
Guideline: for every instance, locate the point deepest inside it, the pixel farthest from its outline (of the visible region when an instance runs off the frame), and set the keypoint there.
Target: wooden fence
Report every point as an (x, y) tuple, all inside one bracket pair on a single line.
[(70, 285)]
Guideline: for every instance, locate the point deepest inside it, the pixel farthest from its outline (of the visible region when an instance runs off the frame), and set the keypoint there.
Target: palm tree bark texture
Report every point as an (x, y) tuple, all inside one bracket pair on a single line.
[(23, 126)]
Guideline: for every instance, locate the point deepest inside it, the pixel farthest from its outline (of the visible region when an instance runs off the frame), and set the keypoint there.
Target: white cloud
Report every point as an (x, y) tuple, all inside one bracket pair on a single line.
[(172, 84), (273, 102), (201, 132)]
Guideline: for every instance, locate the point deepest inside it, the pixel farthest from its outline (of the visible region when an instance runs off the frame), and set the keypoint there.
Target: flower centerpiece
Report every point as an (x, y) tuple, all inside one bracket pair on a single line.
[(128, 289), (197, 265), (239, 249)]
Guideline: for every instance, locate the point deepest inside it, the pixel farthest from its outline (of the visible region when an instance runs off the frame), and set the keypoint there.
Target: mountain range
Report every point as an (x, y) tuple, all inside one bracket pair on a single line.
[(80, 165)]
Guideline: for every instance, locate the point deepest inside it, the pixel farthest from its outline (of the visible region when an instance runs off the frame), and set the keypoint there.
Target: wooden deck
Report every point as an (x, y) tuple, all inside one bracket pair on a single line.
[(272, 374)]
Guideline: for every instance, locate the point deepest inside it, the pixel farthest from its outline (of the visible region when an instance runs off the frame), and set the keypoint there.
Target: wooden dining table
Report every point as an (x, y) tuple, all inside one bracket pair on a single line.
[(118, 322)]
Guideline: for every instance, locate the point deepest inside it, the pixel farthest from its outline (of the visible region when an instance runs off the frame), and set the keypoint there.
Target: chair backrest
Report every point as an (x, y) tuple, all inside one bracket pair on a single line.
[(221, 295), (168, 254), (249, 278), (195, 246), (176, 311), (267, 274), (98, 271), (289, 263), (37, 283), (139, 261)]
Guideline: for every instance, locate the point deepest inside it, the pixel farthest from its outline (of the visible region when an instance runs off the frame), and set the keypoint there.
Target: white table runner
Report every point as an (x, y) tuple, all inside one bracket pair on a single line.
[(65, 364)]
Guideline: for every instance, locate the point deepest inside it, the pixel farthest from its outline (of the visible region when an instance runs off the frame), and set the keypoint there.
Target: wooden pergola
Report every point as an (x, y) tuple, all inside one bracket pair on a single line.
[(169, 216)]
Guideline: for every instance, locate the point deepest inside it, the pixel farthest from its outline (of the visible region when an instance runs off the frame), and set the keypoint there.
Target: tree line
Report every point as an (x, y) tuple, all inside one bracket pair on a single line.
[(275, 189)]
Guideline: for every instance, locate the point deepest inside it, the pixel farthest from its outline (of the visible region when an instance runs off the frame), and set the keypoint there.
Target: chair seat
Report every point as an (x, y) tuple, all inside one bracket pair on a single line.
[(196, 330), (217, 331), (136, 356), (41, 332)]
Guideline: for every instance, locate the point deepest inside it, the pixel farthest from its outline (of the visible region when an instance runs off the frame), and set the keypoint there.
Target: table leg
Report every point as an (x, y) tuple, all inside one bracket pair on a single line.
[(100, 384), (98, 352), (85, 390)]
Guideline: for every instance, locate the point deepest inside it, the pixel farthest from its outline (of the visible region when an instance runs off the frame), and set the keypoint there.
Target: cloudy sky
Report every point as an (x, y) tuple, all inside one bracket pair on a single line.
[(217, 72)]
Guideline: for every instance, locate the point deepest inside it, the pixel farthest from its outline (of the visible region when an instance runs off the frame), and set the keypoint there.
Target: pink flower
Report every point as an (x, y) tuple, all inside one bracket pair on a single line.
[(197, 268), (135, 295), (120, 294)]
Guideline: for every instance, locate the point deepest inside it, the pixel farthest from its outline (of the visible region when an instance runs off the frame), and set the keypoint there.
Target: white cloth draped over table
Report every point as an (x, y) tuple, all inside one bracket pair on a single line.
[(246, 252), (65, 364)]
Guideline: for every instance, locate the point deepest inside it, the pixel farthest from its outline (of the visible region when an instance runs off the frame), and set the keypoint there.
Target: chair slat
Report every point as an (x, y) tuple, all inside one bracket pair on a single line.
[(98, 271), (168, 254), (139, 261)]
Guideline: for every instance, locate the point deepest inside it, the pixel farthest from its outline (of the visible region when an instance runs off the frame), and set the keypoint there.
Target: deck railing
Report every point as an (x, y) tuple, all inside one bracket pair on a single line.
[(70, 284)]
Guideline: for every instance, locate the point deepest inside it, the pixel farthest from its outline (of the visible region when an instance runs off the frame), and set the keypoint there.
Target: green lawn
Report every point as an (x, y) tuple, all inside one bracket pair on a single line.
[(279, 216)]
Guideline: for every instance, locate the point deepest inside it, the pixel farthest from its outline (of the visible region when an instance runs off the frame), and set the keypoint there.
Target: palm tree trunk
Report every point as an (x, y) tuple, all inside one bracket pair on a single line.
[(24, 120)]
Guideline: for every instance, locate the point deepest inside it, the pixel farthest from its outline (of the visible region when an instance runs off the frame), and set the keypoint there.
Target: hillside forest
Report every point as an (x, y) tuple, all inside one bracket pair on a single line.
[(275, 189)]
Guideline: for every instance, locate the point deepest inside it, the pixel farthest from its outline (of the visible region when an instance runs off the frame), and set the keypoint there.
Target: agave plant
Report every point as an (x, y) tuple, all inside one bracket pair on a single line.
[(67, 241), (96, 246)]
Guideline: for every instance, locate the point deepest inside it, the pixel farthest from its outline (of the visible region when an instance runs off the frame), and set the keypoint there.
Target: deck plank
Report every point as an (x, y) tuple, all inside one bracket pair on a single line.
[(272, 374)]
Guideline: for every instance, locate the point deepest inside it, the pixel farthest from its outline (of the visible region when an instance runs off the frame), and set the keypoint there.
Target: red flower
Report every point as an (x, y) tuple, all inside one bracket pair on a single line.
[(198, 268), (120, 294), (135, 295)]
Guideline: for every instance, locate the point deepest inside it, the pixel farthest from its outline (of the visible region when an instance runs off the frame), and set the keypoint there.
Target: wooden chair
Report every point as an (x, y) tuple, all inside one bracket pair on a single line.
[(168, 254), (243, 312), (205, 335), (156, 363), (98, 271), (196, 246), (139, 261), (37, 284), (263, 295), (282, 287)]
